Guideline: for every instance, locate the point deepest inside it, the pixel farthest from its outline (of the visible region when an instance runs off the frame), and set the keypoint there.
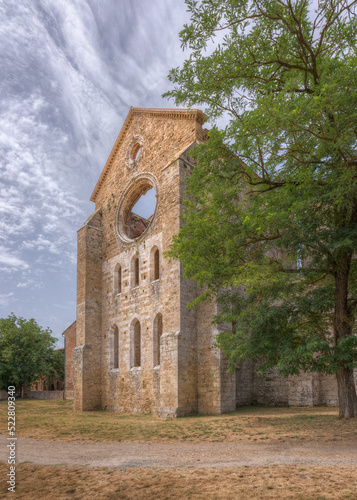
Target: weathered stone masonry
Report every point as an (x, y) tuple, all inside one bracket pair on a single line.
[(69, 344), (138, 347), (123, 327)]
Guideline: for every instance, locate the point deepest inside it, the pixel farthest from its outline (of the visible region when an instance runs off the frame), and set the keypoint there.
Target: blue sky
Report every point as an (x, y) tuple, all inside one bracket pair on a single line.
[(70, 70)]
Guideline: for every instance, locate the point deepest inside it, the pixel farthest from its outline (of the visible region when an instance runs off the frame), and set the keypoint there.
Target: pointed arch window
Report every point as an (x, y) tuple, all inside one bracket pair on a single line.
[(157, 339), (115, 347), (135, 353), (155, 264)]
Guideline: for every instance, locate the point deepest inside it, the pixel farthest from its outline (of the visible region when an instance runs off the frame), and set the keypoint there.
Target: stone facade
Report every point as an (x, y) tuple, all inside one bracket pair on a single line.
[(138, 347), (69, 346), (306, 389)]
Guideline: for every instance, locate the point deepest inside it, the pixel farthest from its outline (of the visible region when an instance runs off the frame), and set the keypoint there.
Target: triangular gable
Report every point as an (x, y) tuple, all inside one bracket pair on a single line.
[(66, 330), (185, 114)]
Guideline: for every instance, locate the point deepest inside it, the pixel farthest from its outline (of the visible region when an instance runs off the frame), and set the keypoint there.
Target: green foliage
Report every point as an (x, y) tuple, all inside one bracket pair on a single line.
[(55, 368), (26, 352), (271, 218)]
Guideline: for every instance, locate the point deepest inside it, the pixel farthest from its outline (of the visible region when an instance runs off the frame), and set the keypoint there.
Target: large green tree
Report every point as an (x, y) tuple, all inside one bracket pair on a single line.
[(26, 352), (271, 222), (55, 370)]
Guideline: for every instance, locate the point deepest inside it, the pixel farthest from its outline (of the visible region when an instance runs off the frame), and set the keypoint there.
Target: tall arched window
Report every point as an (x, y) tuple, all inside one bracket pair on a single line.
[(115, 347), (117, 279), (155, 264), (156, 339), (135, 271), (135, 353)]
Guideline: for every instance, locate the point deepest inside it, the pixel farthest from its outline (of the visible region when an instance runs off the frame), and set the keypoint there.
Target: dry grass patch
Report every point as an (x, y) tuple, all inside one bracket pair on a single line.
[(57, 420), (279, 482)]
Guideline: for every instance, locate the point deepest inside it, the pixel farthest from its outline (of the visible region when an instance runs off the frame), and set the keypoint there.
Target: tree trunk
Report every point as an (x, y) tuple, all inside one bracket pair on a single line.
[(347, 398), (343, 320)]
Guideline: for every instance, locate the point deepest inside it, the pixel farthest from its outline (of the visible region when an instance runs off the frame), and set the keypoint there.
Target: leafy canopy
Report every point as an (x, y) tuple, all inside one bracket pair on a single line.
[(271, 217), (26, 352)]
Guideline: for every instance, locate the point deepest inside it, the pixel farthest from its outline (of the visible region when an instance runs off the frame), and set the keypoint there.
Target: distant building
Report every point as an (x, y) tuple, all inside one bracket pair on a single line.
[(45, 389)]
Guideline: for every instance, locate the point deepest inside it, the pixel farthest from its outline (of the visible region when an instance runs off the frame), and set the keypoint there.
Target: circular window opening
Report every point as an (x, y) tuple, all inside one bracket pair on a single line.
[(141, 214), (136, 208), (135, 152)]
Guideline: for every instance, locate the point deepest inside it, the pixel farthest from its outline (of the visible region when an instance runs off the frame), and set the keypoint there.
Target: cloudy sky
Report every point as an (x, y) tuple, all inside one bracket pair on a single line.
[(70, 70)]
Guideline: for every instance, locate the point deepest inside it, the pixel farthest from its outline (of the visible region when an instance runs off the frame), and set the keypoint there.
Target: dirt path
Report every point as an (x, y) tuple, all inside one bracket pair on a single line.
[(201, 455)]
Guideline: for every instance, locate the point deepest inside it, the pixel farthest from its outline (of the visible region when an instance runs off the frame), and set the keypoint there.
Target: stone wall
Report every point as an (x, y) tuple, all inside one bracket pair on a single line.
[(45, 395), (69, 346), (104, 308), (87, 354), (305, 389)]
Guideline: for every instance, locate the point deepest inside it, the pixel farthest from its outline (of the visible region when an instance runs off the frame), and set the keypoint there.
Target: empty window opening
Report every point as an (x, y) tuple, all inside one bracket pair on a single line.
[(135, 344), (156, 264), (141, 213), (135, 271), (115, 348), (157, 339), (117, 279), (135, 152)]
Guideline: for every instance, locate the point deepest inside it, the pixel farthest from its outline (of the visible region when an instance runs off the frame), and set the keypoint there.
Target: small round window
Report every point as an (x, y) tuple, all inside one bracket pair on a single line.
[(136, 208)]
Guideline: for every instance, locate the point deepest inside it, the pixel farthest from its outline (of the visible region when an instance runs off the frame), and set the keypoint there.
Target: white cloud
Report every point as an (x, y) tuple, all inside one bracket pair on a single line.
[(9, 260), (6, 298), (70, 71)]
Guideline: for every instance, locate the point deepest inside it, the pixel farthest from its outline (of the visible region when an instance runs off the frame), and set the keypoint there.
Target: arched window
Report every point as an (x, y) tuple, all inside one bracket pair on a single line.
[(155, 264), (135, 354), (135, 271), (117, 279), (156, 339), (115, 347)]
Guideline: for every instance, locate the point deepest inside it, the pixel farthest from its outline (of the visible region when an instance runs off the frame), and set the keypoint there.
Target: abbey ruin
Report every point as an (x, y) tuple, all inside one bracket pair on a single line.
[(138, 347)]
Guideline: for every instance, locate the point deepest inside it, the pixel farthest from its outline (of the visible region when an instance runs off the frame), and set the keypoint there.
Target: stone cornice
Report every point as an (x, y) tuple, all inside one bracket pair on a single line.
[(176, 114)]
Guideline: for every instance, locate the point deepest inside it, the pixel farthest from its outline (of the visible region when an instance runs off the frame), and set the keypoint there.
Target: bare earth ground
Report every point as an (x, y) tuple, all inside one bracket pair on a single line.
[(254, 453), (176, 454)]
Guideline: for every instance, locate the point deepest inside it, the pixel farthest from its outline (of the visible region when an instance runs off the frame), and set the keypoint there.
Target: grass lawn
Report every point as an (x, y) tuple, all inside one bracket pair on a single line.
[(243, 483), (57, 420)]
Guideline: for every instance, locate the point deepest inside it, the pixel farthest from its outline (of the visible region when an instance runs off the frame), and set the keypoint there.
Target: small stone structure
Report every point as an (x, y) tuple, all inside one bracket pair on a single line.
[(138, 347)]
